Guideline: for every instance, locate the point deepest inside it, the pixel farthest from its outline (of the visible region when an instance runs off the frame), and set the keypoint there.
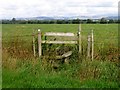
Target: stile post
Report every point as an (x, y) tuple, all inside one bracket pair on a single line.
[(39, 43), (88, 50), (34, 44), (92, 44), (79, 38)]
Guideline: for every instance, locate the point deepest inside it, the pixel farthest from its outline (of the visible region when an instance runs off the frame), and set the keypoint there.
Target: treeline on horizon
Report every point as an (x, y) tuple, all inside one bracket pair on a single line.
[(73, 21)]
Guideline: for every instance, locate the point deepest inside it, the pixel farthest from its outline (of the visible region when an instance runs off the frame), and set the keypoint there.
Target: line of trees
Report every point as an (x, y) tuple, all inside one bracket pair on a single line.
[(74, 21)]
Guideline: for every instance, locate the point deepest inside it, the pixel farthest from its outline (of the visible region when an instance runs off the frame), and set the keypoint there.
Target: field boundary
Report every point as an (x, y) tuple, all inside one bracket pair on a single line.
[(63, 35)]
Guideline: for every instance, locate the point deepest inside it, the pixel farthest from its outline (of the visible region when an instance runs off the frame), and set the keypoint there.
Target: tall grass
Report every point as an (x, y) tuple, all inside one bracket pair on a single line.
[(22, 70), (33, 74)]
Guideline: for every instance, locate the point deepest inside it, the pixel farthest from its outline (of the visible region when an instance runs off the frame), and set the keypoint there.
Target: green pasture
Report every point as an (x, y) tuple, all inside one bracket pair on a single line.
[(102, 32), (22, 70)]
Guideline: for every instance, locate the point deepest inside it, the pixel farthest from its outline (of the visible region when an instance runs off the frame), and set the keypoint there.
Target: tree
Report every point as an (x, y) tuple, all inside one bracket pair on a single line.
[(51, 22), (13, 20), (111, 21), (59, 22), (103, 20), (75, 21), (89, 20)]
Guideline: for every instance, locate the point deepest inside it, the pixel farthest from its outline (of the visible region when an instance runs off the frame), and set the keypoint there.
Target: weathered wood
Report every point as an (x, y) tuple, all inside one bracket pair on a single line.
[(39, 43), (34, 44), (60, 38), (79, 38), (63, 38), (66, 60), (88, 50), (67, 54), (60, 42), (92, 36), (58, 34), (64, 55)]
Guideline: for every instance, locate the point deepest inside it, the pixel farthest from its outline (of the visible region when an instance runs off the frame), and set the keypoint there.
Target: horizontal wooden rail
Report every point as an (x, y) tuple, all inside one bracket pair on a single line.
[(58, 34), (62, 38), (60, 42)]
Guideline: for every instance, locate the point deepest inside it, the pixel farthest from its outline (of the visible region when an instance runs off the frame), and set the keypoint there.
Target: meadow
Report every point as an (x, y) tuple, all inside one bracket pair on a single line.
[(22, 70)]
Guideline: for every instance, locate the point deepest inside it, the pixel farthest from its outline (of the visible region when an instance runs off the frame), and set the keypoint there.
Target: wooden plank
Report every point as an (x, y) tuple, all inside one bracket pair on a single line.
[(39, 43), (60, 42), (62, 38), (64, 55), (58, 34), (67, 54)]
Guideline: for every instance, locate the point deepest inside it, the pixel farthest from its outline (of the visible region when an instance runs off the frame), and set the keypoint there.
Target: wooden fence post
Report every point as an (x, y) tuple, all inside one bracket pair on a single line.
[(34, 44), (79, 38), (39, 43), (88, 50), (92, 45)]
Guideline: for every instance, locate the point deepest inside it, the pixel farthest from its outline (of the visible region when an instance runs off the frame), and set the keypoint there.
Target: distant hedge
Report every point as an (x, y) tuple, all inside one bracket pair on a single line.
[(73, 21)]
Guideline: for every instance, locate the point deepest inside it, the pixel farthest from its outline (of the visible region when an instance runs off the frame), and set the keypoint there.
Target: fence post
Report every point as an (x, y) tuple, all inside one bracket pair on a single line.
[(34, 44), (88, 48), (39, 43), (92, 44), (79, 38)]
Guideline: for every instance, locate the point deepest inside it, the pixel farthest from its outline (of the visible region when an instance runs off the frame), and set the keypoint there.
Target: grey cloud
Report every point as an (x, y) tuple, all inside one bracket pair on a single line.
[(89, 4), (56, 8), (104, 4)]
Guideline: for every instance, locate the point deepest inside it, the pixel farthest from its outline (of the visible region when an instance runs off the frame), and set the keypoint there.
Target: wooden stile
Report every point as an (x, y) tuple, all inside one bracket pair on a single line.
[(59, 38), (65, 38)]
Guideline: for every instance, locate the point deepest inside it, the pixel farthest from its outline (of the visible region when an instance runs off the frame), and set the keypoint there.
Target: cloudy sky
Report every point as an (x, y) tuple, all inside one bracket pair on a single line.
[(34, 8)]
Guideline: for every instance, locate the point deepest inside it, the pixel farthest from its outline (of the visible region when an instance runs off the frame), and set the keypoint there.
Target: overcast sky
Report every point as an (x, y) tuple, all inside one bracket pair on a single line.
[(34, 8)]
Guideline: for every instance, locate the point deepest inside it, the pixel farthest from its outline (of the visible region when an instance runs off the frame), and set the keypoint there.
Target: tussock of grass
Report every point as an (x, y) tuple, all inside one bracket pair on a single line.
[(32, 74)]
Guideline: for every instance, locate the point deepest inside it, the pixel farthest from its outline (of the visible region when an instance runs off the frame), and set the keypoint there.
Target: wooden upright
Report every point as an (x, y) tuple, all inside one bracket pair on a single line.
[(89, 45), (39, 43), (79, 39), (92, 44), (34, 44)]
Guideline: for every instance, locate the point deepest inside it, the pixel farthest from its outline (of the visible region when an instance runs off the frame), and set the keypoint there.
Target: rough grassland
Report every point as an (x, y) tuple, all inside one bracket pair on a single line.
[(22, 70)]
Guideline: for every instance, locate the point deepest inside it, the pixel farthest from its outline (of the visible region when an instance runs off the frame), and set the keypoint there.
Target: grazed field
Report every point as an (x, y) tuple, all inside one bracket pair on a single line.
[(102, 32), (21, 69), (105, 36)]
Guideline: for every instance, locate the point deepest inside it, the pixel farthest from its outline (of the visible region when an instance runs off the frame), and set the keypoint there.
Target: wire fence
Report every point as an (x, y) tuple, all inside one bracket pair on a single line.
[(21, 45), (28, 39)]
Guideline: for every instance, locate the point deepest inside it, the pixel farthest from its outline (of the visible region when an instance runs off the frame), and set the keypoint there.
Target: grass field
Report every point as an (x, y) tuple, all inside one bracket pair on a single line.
[(22, 70)]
